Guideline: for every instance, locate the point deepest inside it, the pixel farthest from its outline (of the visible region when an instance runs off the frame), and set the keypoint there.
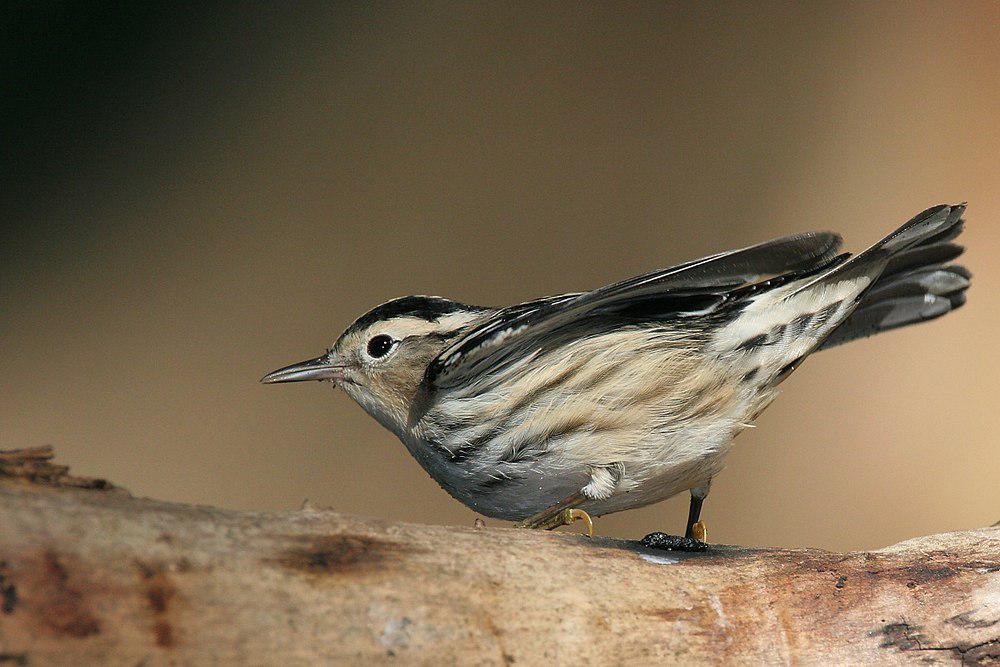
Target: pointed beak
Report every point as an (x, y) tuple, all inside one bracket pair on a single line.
[(327, 367)]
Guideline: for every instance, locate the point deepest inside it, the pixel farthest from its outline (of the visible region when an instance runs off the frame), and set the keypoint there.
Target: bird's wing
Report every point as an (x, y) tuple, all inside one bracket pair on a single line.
[(687, 289)]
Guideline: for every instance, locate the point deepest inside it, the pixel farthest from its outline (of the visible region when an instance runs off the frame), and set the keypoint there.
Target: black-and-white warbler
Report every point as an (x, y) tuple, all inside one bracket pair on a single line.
[(590, 403)]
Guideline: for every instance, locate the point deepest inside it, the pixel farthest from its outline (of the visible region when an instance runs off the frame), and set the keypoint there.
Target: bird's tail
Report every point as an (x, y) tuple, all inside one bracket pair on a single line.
[(904, 278), (912, 277)]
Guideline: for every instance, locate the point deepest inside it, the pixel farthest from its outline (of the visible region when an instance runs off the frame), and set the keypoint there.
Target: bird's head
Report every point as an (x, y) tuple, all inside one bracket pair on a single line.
[(380, 359)]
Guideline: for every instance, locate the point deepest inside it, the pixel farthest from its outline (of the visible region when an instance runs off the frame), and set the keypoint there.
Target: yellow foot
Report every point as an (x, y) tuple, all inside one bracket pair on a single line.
[(571, 515), (699, 531), (559, 515)]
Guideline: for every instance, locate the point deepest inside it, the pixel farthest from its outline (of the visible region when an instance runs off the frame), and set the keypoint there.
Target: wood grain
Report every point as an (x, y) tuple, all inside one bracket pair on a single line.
[(92, 575)]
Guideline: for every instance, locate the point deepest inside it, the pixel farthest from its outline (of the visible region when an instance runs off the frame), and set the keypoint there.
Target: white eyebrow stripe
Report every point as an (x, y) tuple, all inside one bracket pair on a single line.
[(405, 326)]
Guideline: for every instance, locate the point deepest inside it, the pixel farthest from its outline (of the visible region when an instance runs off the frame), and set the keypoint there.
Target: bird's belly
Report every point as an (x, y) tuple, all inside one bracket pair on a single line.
[(660, 482), (500, 490), (654, 469)]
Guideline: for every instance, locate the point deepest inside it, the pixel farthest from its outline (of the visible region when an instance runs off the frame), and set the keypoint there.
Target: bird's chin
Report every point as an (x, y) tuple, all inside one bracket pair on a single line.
[(356, 391), (363, 397), (344, 383)]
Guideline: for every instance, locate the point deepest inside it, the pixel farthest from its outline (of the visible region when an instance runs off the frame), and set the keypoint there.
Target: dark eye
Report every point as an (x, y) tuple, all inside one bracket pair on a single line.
[(379, 346)]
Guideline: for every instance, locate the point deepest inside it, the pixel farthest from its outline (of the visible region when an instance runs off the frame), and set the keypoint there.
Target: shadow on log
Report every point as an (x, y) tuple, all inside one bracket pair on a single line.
[(92, 575)]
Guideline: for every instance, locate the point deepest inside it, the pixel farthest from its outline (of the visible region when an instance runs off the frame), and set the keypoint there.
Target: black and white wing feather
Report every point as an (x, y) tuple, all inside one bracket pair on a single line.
[(692, 288)]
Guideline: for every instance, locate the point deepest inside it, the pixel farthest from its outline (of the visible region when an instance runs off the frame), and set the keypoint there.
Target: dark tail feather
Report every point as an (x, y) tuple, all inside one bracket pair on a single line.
[(916, 283), (935, 225)]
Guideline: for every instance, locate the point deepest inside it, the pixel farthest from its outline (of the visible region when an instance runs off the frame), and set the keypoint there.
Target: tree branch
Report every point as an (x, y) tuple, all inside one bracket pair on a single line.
[(90, 574)]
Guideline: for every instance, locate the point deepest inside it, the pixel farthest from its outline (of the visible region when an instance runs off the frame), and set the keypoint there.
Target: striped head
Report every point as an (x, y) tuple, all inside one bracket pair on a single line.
[(380, 360)]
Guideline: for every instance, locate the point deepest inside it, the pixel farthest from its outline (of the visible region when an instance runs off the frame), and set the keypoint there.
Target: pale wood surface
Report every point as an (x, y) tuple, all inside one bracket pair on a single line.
[(90, 574)]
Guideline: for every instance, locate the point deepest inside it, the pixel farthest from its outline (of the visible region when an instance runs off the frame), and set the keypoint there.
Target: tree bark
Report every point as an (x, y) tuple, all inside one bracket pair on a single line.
[(90, 574)]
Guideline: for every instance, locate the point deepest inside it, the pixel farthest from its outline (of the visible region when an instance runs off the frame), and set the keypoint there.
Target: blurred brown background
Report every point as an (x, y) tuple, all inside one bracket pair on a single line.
[(195, 196)]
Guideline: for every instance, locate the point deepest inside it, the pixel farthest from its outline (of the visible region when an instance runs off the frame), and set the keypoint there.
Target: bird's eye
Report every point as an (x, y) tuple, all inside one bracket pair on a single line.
[(379, 346)]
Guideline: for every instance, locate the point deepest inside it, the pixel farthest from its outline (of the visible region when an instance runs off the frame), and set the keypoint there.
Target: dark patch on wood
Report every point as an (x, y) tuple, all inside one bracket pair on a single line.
[(62, 605), (804, 582), (905, 637), (337, 554), (700, 618), (159, 591), (163, 633), (965, 620), (665, 542), (938, 566), (841, 581), (8, 591), (35, 465), (712, 554), (919, 574), (13, 658), (669, 614), (986, 653)]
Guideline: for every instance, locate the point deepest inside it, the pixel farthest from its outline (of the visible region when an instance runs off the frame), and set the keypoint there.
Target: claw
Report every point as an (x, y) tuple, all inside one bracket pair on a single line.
[(699, 531), (574, 514), (553, 518)]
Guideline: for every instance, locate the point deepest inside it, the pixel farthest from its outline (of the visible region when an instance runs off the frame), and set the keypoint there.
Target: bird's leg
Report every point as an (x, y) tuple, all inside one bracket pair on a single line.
[(695, 527), (562, 513), (694, 535), (604, 480)]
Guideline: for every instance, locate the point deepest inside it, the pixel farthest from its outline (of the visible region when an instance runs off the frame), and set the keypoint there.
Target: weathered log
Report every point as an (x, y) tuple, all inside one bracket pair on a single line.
[(90, 574)]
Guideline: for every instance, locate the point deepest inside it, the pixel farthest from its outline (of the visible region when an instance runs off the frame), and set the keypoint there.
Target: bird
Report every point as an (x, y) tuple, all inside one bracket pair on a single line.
[(573, 406)]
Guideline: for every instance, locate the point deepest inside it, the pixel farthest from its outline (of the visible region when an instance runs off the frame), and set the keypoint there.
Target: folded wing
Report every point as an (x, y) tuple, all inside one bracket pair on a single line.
[(693, 288)]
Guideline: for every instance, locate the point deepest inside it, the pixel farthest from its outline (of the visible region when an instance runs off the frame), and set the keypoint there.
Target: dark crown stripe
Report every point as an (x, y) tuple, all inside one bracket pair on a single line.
[(430, 308)]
